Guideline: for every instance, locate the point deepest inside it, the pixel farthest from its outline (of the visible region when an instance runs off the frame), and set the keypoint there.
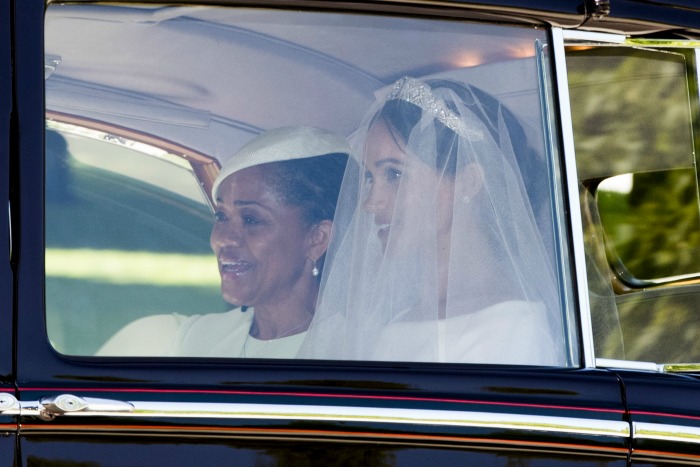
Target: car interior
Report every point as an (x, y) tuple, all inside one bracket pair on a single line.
[(639, 199)]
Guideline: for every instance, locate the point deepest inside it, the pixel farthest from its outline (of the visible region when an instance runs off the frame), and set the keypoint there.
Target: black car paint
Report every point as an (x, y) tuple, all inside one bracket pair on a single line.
[(38, 371), (6, 141)]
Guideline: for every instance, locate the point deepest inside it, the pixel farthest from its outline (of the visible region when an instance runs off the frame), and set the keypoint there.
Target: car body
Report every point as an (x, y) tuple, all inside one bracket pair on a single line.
[(151, 98)]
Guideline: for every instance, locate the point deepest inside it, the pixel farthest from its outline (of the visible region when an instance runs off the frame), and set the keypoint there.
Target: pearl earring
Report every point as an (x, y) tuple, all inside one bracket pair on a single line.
[(315, 272)]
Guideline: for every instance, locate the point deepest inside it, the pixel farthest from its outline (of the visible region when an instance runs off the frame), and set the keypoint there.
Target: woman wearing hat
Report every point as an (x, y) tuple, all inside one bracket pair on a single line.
[(275, 201)]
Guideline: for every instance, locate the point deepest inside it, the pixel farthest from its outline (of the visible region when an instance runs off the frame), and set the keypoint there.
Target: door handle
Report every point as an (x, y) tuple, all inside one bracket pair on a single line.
[(53, 406), (50, 407), (9, 405)]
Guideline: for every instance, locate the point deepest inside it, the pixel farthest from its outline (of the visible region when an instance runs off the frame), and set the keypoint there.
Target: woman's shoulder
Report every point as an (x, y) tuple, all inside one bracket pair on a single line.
[(148, 336), (217, 323), (213, 334), (511, 313), (509, 332), (158, 335)]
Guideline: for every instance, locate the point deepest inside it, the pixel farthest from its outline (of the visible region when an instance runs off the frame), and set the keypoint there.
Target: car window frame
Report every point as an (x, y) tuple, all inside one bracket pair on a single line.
[(200, 171), (575, 37), (566, 311)]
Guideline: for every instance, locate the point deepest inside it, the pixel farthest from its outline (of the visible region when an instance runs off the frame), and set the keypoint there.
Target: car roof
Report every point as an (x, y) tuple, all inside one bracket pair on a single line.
[(171, 84)]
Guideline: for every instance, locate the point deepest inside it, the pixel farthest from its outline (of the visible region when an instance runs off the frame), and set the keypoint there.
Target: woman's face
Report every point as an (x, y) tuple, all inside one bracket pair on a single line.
[(410, 201), (260, 242)]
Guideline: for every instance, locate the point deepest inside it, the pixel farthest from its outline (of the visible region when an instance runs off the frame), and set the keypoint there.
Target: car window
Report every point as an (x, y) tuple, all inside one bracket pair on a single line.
[(634, 116), (141, 257), (126, 236), (653, 223)]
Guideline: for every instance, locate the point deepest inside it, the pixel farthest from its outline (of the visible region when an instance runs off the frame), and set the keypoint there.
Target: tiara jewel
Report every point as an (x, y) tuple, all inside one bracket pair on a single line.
[(413, 91)]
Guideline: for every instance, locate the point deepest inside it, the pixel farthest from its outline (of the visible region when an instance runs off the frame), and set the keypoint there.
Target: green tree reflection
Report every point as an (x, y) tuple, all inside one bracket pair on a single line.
[(632, 118)]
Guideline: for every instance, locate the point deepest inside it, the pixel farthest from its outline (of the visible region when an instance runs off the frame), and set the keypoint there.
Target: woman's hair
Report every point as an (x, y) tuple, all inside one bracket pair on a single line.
[(402, 117), (312, 184)]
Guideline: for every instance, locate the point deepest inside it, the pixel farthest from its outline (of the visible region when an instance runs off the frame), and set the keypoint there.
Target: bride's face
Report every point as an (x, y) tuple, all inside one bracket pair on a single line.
[(410, 201)]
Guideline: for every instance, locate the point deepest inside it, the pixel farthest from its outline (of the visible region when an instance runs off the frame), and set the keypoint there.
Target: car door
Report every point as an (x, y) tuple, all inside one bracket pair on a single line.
[(8, 423), (6, 141), (639, 202), (142, 104)]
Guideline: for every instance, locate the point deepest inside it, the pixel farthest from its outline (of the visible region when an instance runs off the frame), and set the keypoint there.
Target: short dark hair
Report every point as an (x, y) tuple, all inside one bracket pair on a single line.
[(313, 184)]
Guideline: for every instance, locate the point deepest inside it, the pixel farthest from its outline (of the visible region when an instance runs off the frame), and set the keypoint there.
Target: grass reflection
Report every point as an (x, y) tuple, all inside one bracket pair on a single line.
[(133, 267)]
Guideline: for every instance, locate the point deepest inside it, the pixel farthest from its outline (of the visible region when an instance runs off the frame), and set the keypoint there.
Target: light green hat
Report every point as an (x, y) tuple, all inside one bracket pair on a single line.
[(282, 144)]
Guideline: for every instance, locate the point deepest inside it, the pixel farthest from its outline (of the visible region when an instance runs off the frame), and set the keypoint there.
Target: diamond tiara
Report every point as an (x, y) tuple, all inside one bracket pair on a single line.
[(413, 91)]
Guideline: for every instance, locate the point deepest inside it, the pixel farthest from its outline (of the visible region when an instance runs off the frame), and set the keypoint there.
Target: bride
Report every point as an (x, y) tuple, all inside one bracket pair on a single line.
[(443, 260)]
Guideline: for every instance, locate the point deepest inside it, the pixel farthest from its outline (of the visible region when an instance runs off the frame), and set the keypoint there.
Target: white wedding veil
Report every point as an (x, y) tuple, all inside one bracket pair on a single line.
[(441, 257)]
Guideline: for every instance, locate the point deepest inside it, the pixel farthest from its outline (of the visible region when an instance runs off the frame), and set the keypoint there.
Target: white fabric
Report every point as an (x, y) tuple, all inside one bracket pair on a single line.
[(226, 335), (223, 335), (506, 333), (451, 265), (151, 336)]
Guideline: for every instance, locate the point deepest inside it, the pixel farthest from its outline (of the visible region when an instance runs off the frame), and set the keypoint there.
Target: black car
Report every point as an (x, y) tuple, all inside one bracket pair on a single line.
[(116, 118)]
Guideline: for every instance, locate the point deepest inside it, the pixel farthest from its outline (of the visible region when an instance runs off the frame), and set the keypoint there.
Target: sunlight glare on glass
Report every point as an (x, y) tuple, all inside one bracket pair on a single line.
[(133, 267), (618, 184)]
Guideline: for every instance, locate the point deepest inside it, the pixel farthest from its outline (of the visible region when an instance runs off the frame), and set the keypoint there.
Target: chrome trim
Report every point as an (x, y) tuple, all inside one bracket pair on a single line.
[(188, 410), (681, 367), (663, 43), (560, 39), (50, 407), (569, 167), (587, 36), (9, 226), (628, 365), (664, 432), (9, 405), (558, 203)]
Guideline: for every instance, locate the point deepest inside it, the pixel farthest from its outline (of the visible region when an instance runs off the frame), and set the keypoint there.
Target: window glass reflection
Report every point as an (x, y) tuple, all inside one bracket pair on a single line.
[(126, 236), (652, 222), (141, 231)]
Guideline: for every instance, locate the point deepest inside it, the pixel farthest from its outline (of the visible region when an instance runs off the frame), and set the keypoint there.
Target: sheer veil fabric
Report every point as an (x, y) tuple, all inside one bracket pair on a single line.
[(442, 259)]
